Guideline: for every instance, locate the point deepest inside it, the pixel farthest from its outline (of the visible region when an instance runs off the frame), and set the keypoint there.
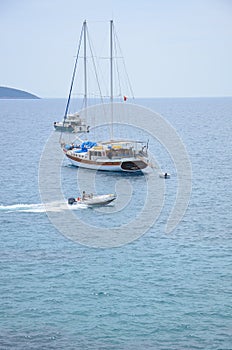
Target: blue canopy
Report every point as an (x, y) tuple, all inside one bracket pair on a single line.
[(88, 144)]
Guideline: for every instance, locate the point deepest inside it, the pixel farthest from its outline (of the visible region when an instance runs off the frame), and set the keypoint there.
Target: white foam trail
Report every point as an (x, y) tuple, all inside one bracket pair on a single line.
[(40, 207), (22, 207)]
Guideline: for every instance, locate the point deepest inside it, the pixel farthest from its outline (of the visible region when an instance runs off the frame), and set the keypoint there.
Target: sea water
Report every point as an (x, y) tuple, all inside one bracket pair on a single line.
[(159, 291)]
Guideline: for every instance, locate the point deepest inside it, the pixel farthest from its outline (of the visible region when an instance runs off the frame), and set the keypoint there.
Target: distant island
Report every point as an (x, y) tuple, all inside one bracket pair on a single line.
[(10, 93)]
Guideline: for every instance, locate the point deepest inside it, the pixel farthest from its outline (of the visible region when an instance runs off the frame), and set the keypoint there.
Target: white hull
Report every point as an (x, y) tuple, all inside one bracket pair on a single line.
[(59, 126), (96, 166)]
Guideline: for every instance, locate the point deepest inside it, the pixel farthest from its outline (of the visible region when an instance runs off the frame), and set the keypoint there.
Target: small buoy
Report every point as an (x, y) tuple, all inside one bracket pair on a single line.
[(164, 175)]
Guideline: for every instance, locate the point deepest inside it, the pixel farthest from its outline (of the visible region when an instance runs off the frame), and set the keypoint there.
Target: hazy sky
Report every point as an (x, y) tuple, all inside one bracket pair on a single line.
[(172, 48)]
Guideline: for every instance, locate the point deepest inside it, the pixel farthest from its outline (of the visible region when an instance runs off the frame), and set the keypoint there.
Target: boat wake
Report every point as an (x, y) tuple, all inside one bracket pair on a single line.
[(40, 207)]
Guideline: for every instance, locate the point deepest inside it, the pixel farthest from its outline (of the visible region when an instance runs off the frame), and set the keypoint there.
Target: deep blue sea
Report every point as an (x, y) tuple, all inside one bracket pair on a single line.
[(160, 291)]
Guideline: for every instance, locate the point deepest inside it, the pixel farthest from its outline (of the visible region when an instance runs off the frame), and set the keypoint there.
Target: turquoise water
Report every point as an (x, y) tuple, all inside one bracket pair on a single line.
[(161, 291)]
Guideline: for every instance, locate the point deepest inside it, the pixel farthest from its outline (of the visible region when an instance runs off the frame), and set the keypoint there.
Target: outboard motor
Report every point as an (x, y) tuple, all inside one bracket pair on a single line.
[(71, 201)]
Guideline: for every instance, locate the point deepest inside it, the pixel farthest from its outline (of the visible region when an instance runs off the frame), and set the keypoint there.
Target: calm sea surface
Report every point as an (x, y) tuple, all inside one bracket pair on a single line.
[(161, 291)]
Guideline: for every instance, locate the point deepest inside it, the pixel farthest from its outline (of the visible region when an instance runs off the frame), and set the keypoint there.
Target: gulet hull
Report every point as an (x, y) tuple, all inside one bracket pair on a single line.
[(125, 165)]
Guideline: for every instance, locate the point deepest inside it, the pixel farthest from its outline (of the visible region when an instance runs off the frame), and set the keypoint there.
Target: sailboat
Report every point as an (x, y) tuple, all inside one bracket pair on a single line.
[(71, 123), (110, 155)]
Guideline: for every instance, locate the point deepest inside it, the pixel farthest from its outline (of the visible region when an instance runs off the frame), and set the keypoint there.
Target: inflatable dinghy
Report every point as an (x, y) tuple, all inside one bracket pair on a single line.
[(92, 200)]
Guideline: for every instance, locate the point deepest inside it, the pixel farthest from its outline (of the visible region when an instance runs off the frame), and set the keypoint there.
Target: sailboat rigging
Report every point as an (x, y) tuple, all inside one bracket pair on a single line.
[(109, 155), (72, 122)]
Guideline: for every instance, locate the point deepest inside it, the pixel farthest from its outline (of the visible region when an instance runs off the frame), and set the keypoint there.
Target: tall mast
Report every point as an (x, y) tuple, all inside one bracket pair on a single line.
[(73, 77), (111, 61), (111, 75), (85, 66)]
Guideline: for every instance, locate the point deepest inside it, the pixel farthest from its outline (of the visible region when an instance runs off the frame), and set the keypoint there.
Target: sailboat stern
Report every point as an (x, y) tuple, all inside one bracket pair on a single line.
[(133, 165)]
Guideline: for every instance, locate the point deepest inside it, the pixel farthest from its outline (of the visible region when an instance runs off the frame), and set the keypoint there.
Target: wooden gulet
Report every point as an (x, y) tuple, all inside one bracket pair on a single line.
[(113, 155)]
